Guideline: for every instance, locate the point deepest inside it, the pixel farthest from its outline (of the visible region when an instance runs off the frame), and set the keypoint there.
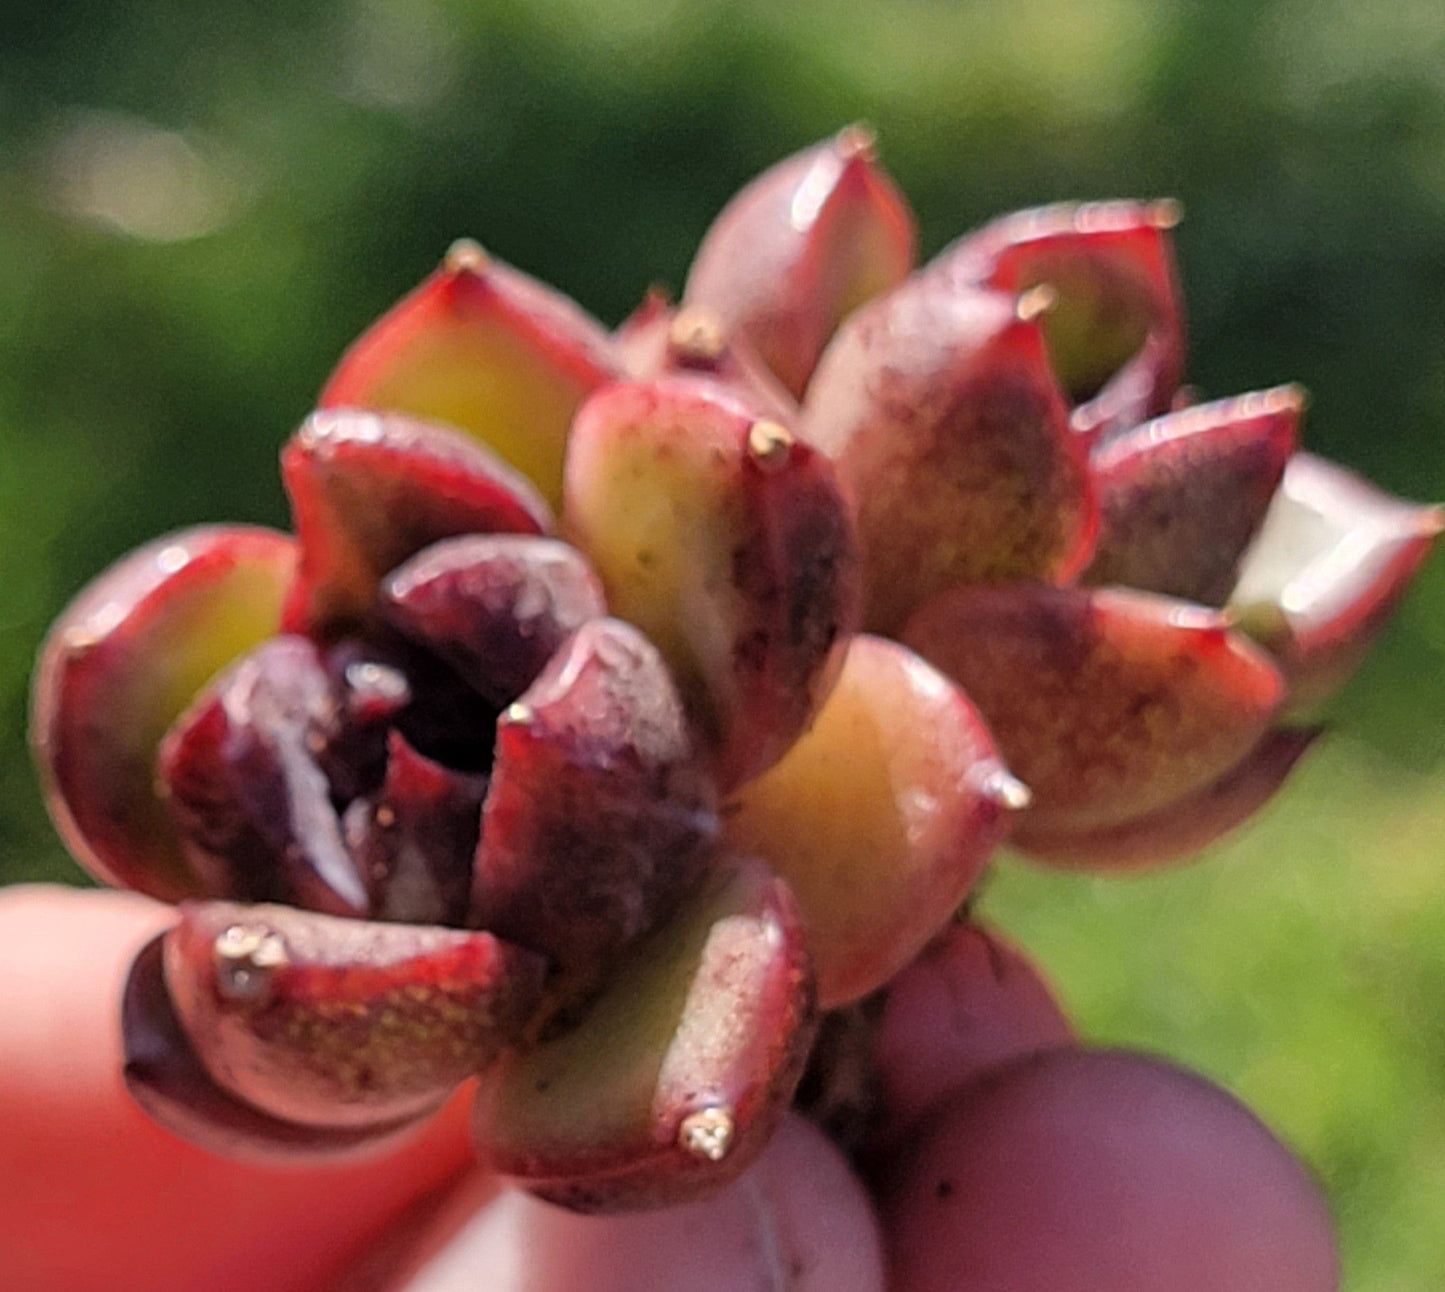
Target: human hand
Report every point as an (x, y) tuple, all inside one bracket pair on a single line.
[(93, 1194)]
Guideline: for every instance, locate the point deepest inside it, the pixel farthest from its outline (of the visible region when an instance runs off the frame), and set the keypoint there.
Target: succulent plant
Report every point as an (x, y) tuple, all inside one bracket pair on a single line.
[(627, 703)]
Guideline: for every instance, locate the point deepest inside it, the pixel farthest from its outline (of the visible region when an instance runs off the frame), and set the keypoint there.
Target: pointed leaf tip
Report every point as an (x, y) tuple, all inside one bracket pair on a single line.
[(343, 1023), (881, 817), (485, 348), (857, 142), (659, 341), (1183, 496), (950, 433), (466, 255), (727, 538), (802, 246), (1331, 563), (1116, 333), (1109, 704), (679, 1073), (368, 490)]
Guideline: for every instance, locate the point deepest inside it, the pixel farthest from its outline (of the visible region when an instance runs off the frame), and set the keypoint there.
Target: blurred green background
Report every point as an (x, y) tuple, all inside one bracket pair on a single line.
[(201, 203)]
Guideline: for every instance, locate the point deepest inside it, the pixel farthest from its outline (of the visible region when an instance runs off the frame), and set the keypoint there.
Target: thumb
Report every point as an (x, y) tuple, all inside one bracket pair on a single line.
[(95, 1195)]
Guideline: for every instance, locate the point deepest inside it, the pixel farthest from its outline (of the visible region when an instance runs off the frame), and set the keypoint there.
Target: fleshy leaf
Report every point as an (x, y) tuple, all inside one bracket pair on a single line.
[(881, 817), (441, 716), (343, 1023), (166, 1078), (1116, 333), (496, 607), (728, 542), (1331, 563), (600, 814), (674, 342), (1181, 497), (125, 659), (802, 246), (368, 491), (481, 346), (1109, 704), (370, 697), (415, 841), (679, 1073), (1183, 829), (242, 776), (946, 423), (656, 304)]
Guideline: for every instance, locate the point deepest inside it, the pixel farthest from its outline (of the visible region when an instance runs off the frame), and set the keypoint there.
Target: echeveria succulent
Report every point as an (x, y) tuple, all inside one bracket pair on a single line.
[(626, 700)]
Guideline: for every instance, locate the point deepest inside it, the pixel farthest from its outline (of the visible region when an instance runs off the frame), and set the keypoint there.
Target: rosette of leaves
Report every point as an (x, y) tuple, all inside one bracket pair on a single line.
[(623, 702)]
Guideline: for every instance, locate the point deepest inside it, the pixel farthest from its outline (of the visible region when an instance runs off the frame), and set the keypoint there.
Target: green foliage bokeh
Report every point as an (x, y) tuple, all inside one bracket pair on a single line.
[(200, 204)]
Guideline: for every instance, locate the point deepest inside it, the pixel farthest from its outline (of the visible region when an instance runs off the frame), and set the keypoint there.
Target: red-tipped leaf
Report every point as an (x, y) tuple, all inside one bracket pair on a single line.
[(881, 817), (1116, 332), (728, 541), (600, 814), (481, 346), (940, 410), (1108, 705), (120, 665), (1185, 828), (679, 1073), (343, 1023), (1332, 562), (368, 491), (1182, 497), (802, 246)]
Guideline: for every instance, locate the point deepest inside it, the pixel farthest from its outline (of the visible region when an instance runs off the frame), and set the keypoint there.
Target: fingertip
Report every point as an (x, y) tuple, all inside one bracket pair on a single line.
[(798, 1217)]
